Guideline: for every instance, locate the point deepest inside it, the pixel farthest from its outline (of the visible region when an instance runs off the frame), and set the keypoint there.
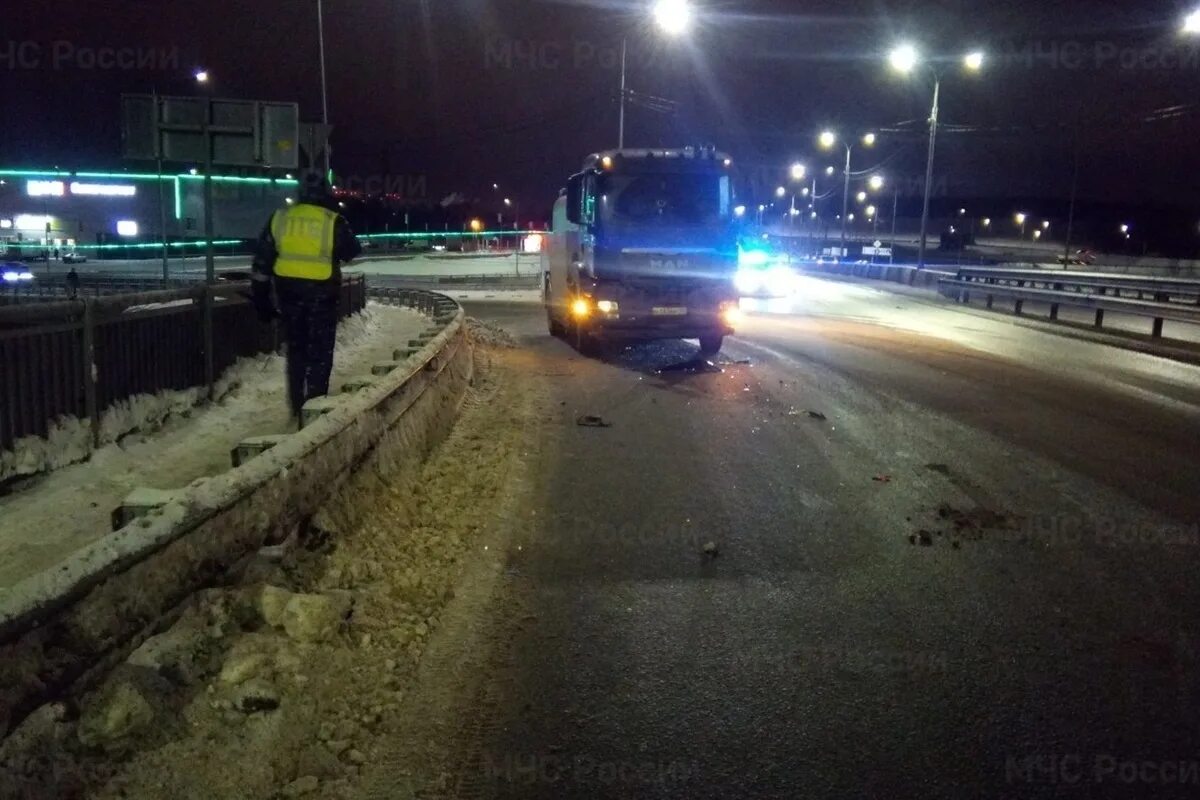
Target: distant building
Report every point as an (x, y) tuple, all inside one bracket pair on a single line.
[(98, 211)]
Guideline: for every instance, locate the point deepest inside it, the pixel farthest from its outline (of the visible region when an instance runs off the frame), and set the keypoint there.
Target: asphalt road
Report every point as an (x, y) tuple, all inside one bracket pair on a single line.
[(970, 572)]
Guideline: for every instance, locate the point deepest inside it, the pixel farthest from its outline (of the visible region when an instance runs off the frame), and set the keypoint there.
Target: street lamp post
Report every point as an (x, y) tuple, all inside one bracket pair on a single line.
[(827, 140), (904, 59), (324, 86), (673, 18)]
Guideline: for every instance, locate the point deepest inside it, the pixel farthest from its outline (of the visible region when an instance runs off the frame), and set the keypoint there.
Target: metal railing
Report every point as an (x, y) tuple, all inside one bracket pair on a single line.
[(1175, 299), (76, 358)]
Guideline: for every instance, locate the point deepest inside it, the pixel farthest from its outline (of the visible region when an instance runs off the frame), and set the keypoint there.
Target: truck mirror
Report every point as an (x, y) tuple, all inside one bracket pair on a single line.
[(575, 200)]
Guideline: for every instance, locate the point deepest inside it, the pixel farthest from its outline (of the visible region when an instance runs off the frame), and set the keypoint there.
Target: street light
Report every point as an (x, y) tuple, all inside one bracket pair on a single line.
[(673, 18), (876, 183), (798, 172), (827, 140), (1191, 23), (201, 76), (829, 170), (1020, 220), (904, 59), (780, 192), (861, 197)]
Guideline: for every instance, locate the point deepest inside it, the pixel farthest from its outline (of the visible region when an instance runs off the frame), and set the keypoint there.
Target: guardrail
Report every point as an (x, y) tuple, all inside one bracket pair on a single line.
[(61, 630), (43, 290), (1173, 299), (1161, 289), (77, 358), (909, 276)]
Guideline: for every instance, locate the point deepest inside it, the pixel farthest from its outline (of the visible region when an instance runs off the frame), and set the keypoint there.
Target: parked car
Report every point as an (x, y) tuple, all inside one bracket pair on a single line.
[(74, 257)]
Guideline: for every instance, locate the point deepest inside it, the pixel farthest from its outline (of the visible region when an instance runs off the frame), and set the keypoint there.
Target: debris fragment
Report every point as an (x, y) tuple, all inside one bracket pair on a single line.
[(710, 550), (816, 414), (592, 421), (882, 478), (925, 538)]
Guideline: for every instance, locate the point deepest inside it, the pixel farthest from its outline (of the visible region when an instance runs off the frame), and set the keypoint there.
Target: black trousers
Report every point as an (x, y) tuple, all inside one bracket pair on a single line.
[(310, 321)]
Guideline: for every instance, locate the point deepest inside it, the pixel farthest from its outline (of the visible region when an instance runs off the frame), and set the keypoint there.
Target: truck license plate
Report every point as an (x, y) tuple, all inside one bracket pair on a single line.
[(669, 311)]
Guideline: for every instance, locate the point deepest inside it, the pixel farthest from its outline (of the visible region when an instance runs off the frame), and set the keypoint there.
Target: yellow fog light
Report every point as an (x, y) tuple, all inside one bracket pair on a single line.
[(580, 307)]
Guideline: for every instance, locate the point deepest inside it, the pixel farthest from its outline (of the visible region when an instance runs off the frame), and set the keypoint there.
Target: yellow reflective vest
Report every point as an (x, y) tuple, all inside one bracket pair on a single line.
[(304, 241)]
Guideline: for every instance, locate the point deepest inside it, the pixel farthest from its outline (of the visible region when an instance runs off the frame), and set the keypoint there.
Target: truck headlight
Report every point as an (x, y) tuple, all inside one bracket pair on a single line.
[(608, 308), (731, 314), (580, 307)]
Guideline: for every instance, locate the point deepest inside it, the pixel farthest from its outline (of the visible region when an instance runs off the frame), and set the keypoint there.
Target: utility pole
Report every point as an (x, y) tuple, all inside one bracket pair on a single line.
[(324, 90), (621, 122), (895, 210), (933, 126)]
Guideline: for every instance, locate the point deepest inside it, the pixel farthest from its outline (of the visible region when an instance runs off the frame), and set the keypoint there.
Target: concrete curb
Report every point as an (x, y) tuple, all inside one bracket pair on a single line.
[(62, 628)]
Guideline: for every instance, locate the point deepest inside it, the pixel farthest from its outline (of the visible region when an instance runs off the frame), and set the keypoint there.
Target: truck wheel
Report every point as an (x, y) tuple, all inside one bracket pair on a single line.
[(711, 345), (555, 327), (586, 342)]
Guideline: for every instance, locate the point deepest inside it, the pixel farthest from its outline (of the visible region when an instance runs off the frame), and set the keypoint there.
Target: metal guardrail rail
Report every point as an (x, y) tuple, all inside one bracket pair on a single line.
[(1099, 293), (1159, 288)]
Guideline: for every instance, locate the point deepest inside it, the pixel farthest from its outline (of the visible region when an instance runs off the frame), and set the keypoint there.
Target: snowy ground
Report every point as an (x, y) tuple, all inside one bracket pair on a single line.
[(69, 508)]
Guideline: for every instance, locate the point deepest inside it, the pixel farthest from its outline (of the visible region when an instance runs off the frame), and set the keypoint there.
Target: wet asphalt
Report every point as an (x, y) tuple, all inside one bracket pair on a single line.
[(886, 548)]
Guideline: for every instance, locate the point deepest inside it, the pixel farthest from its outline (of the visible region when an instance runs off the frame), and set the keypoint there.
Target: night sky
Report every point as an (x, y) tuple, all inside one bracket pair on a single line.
[(466, 93)]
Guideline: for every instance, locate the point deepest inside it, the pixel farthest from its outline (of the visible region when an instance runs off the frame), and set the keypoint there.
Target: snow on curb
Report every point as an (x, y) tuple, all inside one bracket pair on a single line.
[(63, 626)]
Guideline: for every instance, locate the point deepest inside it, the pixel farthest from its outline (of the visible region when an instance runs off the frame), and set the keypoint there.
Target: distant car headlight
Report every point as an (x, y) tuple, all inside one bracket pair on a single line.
[(780, 281), (11, 277), (747, 281), (753, 258)]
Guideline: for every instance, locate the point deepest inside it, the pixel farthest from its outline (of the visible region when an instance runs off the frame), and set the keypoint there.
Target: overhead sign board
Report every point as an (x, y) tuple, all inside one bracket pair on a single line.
[(243, 133)]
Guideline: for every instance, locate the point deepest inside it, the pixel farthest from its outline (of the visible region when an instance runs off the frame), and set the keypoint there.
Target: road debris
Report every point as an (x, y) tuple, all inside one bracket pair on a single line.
[(592, 421), (882, 478), (710, 550), (816, 415)]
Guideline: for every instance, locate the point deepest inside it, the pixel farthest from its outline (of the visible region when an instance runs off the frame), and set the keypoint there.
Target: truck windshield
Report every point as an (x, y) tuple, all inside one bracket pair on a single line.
[(663, 198)]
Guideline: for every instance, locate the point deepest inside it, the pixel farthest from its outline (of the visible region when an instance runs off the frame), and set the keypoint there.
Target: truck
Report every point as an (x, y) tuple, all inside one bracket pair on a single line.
[(643, 245)]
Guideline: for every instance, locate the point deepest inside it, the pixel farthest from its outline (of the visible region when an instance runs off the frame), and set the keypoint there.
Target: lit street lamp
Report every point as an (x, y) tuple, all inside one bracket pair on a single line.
[(1191, 23), (1020, 220), (861, 197), (673, 18), (798, 172), (827, 140), (905, 59), (876, 183)]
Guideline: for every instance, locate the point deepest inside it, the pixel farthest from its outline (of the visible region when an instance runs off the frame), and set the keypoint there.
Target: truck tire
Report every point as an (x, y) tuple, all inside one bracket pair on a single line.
[(555, 327), (711, 345), (586, 342)]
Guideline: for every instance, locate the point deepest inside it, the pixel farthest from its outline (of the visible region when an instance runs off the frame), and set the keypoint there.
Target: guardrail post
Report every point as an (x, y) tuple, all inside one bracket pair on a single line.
[(1018, 306), (1054, 311), (1157, 330), (1099, 317), (89, 370)]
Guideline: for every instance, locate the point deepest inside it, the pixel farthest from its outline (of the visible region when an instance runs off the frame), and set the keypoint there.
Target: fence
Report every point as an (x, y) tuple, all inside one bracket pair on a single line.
[(89, 286), (77, 358)]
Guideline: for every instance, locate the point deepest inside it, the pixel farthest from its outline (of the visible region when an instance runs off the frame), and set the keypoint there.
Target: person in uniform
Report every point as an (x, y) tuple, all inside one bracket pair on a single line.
[(300, 253)]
